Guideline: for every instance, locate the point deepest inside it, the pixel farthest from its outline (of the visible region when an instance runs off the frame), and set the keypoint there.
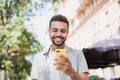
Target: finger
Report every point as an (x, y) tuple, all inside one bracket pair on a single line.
[(62, 56), (59, 60), (65, 58), (60, 66)]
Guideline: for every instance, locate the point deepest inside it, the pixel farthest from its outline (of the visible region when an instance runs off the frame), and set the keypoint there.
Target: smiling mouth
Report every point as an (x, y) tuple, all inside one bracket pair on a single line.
[(58, 39)]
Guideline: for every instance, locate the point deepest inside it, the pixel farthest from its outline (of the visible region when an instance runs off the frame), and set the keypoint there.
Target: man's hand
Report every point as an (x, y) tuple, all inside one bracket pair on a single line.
[(63, 64)]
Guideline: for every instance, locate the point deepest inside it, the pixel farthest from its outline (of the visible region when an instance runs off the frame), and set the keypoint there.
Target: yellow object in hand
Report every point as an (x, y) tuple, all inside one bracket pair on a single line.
[(60, 52)]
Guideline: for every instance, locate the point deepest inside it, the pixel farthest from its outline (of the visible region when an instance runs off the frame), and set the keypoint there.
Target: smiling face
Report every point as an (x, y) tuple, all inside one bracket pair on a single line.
[(58, 32)]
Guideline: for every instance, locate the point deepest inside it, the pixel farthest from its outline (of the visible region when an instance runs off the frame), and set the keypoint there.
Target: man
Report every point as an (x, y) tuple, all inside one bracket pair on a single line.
[(72, 67)]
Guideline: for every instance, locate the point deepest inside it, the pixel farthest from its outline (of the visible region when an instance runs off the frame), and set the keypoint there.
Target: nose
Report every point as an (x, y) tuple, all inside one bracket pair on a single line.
[(59, 33)]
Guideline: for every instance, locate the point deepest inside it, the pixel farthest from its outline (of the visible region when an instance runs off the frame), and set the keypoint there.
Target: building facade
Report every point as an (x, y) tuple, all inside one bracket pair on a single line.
[(90, 22)]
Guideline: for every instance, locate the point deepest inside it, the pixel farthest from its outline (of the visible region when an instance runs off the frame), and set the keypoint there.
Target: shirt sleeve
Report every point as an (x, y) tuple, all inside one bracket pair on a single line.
[(81, 63), (34, 70)]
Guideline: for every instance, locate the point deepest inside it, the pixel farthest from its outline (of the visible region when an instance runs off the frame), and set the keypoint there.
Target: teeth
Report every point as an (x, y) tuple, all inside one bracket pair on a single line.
[(58, 38)]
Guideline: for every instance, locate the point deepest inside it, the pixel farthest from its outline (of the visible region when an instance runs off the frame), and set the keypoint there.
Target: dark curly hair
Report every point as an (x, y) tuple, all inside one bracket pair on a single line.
[(59, 18)]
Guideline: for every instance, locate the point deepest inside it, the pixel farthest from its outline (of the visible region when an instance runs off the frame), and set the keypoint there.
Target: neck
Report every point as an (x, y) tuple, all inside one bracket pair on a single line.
[(54, 47)]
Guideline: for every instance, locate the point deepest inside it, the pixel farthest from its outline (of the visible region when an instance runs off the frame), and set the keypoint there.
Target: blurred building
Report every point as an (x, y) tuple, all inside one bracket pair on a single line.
[(90, 22)]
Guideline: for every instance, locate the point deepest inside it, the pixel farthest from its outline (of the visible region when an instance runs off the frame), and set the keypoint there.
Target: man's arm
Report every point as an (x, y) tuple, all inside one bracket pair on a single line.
[(82, 76), (66, 67)]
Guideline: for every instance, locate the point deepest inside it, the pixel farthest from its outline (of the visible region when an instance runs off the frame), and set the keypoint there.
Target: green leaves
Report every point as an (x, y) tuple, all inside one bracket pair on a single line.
[(15, 44), (15, 41)]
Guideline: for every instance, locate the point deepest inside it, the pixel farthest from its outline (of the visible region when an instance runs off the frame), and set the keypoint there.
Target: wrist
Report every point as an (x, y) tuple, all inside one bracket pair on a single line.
[(73, 76)]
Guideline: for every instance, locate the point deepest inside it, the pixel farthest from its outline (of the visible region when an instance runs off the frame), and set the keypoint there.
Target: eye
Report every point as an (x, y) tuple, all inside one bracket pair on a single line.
[(63, 30), (54, 30)]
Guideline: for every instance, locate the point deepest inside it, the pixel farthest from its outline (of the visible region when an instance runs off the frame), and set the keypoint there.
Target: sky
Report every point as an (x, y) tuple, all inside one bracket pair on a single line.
[(40, 24)]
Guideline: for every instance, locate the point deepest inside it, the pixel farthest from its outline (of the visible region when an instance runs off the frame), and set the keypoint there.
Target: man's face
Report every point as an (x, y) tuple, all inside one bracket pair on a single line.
[(58, 32)]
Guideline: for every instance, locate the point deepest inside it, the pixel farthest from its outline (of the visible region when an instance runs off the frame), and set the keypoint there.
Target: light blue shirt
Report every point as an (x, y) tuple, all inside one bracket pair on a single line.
[(44, 69)]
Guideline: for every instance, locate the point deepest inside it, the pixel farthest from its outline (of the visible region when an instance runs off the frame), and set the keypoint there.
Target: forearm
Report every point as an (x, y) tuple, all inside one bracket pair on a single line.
[(76, 76)]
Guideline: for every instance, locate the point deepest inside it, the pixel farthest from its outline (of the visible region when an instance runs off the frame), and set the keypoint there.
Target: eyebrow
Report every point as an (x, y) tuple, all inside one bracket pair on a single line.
[(57, 28)]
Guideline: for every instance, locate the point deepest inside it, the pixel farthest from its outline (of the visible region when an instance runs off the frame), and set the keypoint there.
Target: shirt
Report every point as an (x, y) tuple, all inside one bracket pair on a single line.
[(43, 67)]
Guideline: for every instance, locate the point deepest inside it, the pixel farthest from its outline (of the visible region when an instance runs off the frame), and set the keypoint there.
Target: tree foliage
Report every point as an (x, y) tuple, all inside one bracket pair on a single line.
[(16, 42), (95, 77)]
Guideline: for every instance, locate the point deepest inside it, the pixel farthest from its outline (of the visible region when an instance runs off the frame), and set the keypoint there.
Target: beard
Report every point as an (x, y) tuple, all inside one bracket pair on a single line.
[(58, 43)]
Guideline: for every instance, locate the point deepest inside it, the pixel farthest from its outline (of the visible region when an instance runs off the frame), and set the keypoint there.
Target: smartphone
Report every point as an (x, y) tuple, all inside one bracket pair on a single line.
[(60, 52)]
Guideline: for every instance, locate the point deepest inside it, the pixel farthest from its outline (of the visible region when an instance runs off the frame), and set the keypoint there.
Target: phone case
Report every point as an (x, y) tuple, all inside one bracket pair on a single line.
[(60, 52)]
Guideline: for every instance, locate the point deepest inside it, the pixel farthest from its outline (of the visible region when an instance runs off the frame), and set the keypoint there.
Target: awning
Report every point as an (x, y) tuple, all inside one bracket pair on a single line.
[(103, 53), (110, 43)]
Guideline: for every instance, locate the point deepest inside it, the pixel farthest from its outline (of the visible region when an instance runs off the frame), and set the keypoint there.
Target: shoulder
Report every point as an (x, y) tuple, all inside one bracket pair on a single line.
[(73, 50)]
